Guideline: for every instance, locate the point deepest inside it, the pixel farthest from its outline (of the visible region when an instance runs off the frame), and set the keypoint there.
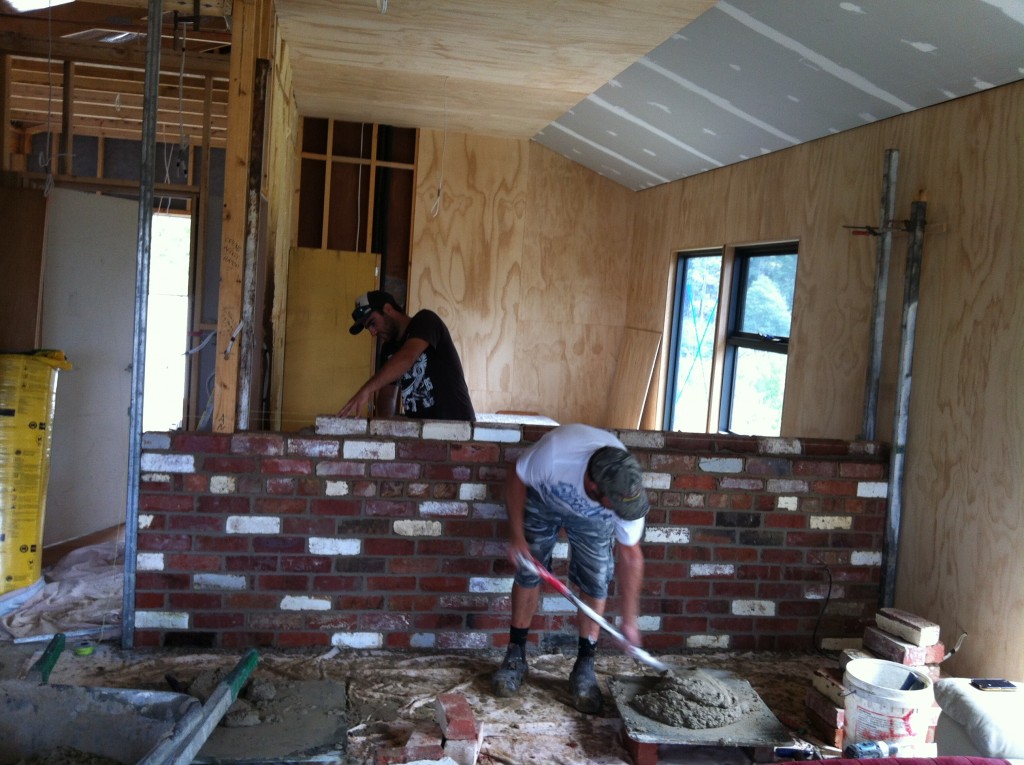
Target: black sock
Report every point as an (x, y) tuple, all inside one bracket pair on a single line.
[(587, 648), (518, 635)]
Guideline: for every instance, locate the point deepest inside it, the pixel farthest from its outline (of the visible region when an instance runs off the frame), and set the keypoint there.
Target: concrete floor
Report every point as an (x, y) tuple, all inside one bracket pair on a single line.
[(345, 707)]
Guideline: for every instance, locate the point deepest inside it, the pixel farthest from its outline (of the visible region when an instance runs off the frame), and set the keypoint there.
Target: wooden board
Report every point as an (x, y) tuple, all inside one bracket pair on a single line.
[(324, 365), (637, 354)]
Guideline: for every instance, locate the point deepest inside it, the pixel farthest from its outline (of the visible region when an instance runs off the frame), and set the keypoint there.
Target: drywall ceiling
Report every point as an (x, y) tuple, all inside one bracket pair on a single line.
[(641, 93), (750, 77)]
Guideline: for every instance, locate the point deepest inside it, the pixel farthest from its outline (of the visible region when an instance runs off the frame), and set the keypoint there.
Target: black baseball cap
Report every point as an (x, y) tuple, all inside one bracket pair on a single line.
[(375, 300)]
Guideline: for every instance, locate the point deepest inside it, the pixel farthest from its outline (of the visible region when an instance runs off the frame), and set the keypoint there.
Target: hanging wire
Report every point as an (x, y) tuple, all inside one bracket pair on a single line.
[(46, 159), (436, 207)]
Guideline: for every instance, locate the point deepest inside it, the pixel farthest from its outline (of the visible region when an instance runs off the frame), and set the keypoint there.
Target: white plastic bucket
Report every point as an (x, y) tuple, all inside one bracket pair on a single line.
[(886, 701)]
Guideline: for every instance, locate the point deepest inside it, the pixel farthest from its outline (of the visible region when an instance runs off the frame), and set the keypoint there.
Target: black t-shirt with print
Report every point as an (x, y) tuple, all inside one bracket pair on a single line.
[(435, 386)]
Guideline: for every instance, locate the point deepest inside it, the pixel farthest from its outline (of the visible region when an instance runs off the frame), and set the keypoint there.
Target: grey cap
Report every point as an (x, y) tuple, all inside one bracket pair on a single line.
[(619, 477)]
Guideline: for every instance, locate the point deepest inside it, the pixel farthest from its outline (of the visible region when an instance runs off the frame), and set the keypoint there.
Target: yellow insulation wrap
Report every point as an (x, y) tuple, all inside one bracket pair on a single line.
[(28, 391)]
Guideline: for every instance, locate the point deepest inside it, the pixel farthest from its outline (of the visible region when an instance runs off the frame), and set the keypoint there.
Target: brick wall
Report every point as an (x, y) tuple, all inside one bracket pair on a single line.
[(390, 534)]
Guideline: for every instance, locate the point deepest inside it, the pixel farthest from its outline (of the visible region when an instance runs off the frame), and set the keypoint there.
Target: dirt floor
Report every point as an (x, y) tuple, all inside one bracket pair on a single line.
[(342, 707)]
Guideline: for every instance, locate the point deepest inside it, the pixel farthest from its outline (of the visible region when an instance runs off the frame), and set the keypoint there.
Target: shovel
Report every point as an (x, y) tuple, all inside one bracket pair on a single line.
[(531, 564)]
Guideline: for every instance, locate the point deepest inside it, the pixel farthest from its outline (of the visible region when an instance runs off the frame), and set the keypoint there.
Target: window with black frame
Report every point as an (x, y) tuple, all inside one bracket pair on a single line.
[(727, 369), (757, 343)]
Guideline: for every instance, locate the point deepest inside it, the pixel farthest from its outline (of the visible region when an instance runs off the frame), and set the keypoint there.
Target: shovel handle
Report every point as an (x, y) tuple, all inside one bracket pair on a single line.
[(530, 563)]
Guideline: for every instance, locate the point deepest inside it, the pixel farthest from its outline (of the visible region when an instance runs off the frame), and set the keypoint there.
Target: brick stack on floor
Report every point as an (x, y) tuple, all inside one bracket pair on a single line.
[(457, 744), (898, 636)]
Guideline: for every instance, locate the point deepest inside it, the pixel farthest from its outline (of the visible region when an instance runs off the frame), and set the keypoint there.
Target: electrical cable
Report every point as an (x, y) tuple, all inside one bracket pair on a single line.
[(824, 607)]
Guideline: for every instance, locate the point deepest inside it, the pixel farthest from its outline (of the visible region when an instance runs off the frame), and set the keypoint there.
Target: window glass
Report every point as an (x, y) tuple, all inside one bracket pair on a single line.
[(694, 334)]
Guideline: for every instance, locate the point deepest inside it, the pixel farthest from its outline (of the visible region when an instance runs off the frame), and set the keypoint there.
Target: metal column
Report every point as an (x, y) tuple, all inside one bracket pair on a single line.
[(147, 172), (901, 414), (888, 212)]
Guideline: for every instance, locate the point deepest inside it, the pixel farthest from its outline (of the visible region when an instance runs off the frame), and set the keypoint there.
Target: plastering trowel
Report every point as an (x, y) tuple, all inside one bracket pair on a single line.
[(530, 563)]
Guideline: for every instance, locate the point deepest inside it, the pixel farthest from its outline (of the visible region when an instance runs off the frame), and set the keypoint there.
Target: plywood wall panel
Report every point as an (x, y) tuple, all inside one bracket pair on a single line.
[(959, 561), (528, 259), (965, 487), (466, 258)]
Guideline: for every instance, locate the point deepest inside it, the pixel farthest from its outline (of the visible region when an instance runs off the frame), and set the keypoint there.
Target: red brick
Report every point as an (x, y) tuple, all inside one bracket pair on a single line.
[(285, 466), (474, 452), (403, 470), (455, 716), (890, 647), (228, 465), (822, 706), (185, 442), (169, 502)]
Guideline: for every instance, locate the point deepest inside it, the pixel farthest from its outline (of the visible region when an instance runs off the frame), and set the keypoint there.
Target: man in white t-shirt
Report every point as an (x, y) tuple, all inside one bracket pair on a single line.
[(584, 481)]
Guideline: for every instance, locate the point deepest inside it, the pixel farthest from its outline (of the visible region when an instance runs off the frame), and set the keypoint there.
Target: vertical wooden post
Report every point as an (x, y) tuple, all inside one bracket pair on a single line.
[(247, 33)]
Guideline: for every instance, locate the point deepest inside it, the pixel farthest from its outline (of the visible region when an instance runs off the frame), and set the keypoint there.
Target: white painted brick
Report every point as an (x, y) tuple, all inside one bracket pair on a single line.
[(489, 510), (780, 446), (490, 584), (401, 427), (827, 522), (649, 623), (644, 439), (156, 620), (219, 582), (721, 464), (461, 751), (865, 558), (340, 426), (155, 441), (555, 604), (560, 551), (712, 569), (369, 450), (422, 640), (694, 499), (786, 486), (753, 607), (170, 463), (464, 640), (667, 535), (149, 562), (336, 488), (657, 480), (312, 447), (822, 591), (304, 603), (357, 639), (418, 528), (788, 503), (156, 477), (447, 509), (253, 524), (334, 546), (440, 430), (707, 641), (873, 489), (145, 520), (472, 491), (497, 434), (223, 484)]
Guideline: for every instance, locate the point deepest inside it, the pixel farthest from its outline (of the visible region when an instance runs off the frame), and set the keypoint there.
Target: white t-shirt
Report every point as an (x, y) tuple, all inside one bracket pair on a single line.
[(554, 467)]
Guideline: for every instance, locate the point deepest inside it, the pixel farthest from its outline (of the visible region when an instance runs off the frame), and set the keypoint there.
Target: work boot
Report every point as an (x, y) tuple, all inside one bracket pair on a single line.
[(509, 676), (586, 693)]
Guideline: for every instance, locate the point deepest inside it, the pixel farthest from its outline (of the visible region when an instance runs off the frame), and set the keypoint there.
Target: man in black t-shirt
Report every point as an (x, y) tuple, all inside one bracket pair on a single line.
[(419, 354)]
